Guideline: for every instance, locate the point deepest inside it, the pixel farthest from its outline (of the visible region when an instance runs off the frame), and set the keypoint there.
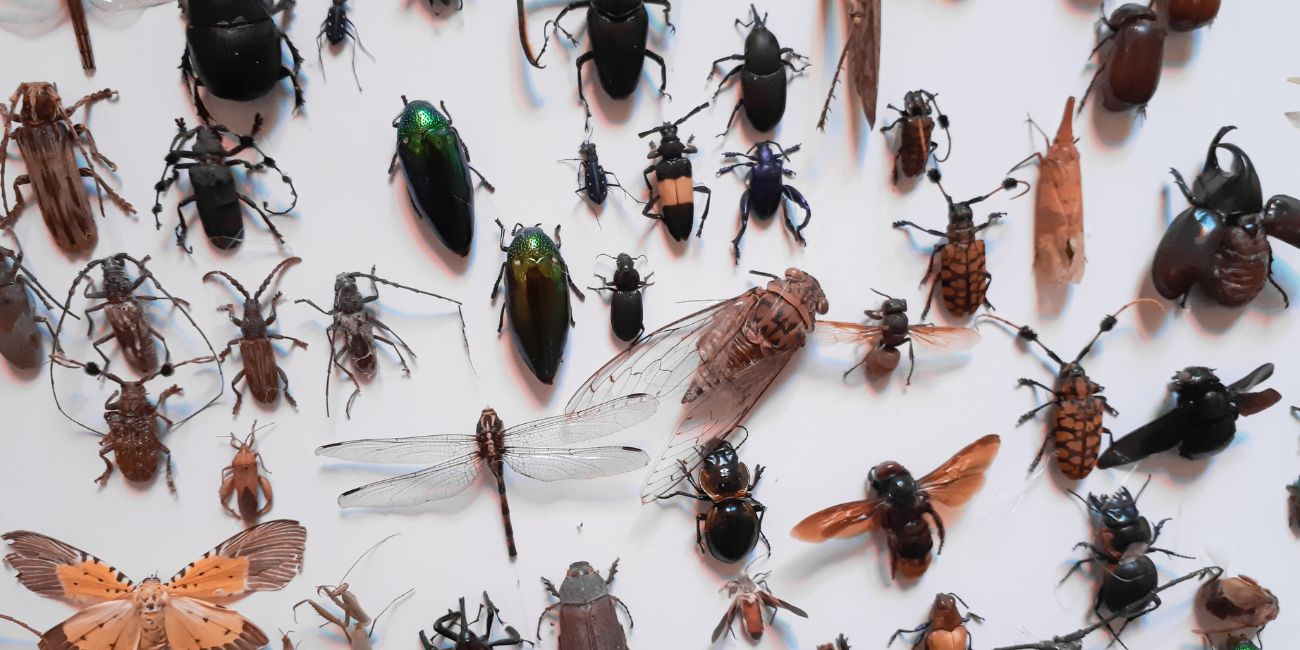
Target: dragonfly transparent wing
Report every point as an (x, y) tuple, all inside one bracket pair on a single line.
[(125, 5), (595, 422), (437, 482), (424, 450), (31, 11), (564, 464)]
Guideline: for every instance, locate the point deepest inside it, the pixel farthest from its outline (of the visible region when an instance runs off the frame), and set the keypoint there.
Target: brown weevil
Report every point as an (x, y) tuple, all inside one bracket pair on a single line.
[(243, 481), (946, 627), (962, 278), (1079, 406), (588, 618), (260, 370), (133, 437), (1130, 70), (20, 339), (915, 130), (49, 143)]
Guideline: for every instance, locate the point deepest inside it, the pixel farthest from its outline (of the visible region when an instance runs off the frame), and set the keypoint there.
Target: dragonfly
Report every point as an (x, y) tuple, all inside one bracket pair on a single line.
[(536, 449), (24, 12)]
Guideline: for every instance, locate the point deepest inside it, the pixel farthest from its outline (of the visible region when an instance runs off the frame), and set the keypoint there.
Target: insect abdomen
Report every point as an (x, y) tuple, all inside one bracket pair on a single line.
[(962, 278), (914, 150), (135, 447), (1076, 433), (48, 150), (1240, 268)]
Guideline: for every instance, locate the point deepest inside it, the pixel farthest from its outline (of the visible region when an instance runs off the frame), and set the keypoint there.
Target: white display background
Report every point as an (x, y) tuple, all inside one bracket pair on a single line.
[(818, 435)]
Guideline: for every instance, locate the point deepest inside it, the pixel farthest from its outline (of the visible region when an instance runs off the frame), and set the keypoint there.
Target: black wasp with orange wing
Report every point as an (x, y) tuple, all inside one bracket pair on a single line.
[(901, 503), (890, 333), (726, 356)]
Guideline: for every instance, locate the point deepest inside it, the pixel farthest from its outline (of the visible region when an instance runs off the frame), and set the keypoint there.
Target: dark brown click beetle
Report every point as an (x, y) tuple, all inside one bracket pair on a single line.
[(588, 619), (20, 340), (1130, 71)]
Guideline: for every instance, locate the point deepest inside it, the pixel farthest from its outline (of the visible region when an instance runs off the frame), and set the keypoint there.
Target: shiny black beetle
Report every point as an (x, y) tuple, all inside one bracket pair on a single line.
[(334, 29), (1221, 241), (619, 30), (216, 196), (232, 48), (626, 313), (762, 75), (734, 524), (1202, 424), (767, 189), (673, 172), (595, 180)]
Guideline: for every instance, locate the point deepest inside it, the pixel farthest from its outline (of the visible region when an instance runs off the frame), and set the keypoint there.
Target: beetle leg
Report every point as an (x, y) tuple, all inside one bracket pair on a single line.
[(551, 588), (627, 611), (1286, 300), (298, 98), (19, 204), (1091, 84), (586, 56), (992, 217), (911, 357), (899, 632), (707, 202), (405, 369), (227, 490), (106, 446), (239, 394), (909, 224), (795, 196), (739, 102), (713, 69), (101, 185), (734, 71), (270, 226), (167, 459), (182, 230), (105, 339), (667, 9), (1105, 404), (1026, 417), (938, 523), (663, 70), (192, 83)]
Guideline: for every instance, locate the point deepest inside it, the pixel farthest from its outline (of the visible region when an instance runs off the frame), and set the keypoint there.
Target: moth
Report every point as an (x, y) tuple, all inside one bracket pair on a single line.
[(1058, 207), (118, 614)]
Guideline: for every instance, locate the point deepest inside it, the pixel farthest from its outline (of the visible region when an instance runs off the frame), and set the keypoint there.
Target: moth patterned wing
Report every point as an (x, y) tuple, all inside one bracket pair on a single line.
[(57, 570), (955, 481), (864, 53), (262, 558), (196, 625), (114, 625), (664, 360)]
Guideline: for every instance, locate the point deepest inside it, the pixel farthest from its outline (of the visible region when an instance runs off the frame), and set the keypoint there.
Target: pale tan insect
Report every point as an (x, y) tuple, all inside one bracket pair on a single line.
[(1058, 208), (862, 52), (244, 480)]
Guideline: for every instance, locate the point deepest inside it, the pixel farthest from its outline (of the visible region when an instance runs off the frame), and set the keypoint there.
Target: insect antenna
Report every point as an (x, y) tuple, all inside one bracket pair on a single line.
[(884, 295), (766, 275), (464, 334), (1143, 489), (1108, 324), (1027, 333), (267, 282), (1007, 184), (359, 558), (932, 99), (233, 282), (24, 625), (935, 176), (385, 609)]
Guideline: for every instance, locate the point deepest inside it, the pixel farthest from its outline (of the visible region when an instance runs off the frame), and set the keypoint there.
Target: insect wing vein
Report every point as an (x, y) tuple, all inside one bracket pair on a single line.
[(563, 464), (432, 484), (595, 422), (414, 450)]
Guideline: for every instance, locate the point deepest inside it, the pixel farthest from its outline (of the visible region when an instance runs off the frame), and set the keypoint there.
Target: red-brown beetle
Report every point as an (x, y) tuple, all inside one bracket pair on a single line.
[(1186, 15), (49, 143), (588, 619), (916, 127), (244, 480), (20, 340), (1130, 71), (946, 627), (260, 369)]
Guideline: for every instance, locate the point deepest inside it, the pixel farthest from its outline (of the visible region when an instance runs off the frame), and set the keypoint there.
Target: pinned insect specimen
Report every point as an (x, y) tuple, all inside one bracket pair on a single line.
[(435, 162), (454, 626), (532, 449), (354, 621), (734, 523), (1058, 207), (1074, 640), (335, 28), (726, 356), (1130, 70), (588, 618), (962, 278), (355, 326), (1078, 405), (673, 178), (537, 297), (1204, 421), (133, 436), (916, 128), (49, 143), (900, 506), (243, 480), (892, 331), (1231, 606), (862, 51), (751, 595), (119, 613), (841, 643), (1187, 15), (20, 340), (216, 196), (260, 370), (767, 189), (1221, 242), (762, 75), (35, 11), (594, 179), (232, 48), (626, 311), (946, 627)]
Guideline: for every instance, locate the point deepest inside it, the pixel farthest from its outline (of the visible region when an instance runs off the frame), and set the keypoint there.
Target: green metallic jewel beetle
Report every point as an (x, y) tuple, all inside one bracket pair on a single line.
[(435, 162), (1241, 643), (540, 313)]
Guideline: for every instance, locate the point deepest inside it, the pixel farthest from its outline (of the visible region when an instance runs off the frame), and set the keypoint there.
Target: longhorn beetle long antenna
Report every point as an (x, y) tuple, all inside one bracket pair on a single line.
[(267, 282), (943, 123), (884, 295), (1027, 333), (666, 125), (1007, 184), (1108, 324), (463, 331), (766, 275), (233, 282), (936, 177)]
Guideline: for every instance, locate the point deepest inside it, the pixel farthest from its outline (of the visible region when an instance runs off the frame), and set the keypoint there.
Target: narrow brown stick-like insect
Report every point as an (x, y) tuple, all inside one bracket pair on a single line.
[(1058, 207), (49, 143), (862, 52), (244, 480), (260, 370)]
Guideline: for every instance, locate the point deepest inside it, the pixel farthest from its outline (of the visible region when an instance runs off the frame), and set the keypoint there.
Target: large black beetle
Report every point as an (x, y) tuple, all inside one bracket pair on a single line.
[(232, 48), (762, 75)]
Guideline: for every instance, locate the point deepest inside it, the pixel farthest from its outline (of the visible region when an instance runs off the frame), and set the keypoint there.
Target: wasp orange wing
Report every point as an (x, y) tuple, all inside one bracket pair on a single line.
[(51, 568), (957, 480), (845, 520), (947, 339), (833, 331), (195, 625), (263, 558)]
